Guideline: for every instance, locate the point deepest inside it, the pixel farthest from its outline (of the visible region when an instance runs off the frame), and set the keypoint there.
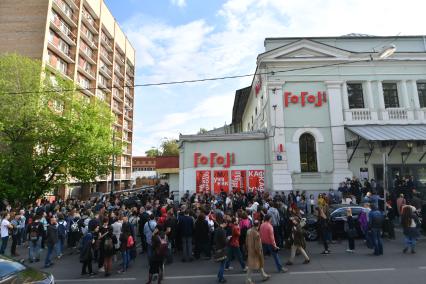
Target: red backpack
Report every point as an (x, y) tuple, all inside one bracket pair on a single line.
[(130, 242)]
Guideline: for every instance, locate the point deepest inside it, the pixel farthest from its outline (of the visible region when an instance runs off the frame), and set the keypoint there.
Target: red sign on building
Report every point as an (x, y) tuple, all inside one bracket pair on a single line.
[(239, 181), (220, 181), (214, 159), (304, 98), (203, 181), (256, 180)]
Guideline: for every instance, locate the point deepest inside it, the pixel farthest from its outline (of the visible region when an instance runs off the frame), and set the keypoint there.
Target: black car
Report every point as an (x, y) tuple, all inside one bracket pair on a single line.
[(13, 272), (337, 222)]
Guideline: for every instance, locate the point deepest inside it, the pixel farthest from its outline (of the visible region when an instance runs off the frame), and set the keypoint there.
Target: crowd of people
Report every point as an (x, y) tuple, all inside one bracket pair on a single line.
[(239, 228)]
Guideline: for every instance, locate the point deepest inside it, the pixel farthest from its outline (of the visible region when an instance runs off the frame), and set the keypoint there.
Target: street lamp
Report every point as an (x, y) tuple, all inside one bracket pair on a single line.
[(387, 51)]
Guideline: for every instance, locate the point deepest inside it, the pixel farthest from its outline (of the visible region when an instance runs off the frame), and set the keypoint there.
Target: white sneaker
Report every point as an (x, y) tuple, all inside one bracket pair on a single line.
[(349, 250), (101, 269)]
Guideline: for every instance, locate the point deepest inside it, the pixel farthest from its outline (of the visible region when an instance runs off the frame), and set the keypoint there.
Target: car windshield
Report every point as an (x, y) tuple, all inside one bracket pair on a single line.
[(9, 268)]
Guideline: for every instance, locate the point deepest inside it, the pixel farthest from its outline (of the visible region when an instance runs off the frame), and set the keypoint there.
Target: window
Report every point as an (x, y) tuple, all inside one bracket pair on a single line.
[(355, 96), (308, 153), (390, 94), (421, 89), (255, 111)]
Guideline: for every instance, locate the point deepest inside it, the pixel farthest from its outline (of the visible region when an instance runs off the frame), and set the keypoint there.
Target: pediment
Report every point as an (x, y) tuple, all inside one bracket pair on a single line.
[(304, 49)]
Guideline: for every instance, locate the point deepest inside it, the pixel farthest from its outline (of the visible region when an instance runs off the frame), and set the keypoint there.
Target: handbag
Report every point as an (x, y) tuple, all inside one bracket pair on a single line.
[(220, 255)]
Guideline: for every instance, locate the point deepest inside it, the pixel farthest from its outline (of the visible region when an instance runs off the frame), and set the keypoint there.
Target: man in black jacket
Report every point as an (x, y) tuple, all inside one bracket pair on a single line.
[(52, 239)]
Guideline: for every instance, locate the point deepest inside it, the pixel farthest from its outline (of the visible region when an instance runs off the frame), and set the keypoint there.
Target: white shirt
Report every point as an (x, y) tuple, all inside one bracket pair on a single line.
[(4, 228)]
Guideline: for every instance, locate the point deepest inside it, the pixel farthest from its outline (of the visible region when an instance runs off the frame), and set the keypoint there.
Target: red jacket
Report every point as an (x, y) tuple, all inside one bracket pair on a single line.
[(235, 238)]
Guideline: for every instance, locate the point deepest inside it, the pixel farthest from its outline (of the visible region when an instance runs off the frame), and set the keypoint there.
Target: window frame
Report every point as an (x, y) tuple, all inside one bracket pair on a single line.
[(308, 153), (352, 92), (421, 92), (389, 101)]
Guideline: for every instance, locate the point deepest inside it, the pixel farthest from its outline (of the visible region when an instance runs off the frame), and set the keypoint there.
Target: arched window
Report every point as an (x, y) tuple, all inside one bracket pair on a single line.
[(308, 153)]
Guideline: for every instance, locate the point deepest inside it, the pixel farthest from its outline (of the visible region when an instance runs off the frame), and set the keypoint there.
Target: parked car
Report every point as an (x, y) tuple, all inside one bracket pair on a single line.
[(337, 222), (13, 272)]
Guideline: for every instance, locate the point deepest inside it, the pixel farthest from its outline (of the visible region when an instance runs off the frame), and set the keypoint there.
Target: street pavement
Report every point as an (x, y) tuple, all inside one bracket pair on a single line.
[(338, 267)]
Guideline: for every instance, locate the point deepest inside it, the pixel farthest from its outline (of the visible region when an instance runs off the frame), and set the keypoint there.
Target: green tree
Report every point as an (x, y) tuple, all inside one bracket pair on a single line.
[(169, 147), (49, 133), (202, 131), (153, 152)]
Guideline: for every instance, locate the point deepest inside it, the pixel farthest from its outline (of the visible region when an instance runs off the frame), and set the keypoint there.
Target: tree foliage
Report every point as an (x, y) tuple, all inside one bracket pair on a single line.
[(48, 133), (169, 147), (153, 152)]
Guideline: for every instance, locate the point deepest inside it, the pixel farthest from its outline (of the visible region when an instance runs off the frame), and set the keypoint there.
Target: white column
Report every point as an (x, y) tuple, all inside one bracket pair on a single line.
[(370, 101), (382, 108), (346, 112), (405, 99), (420, 115), (335, 105)]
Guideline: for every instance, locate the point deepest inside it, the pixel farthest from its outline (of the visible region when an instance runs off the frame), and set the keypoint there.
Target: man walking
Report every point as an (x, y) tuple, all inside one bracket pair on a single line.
[(376, 219), (51, 240), (186, 225), (4, 232), (268, 242), (255, 258)]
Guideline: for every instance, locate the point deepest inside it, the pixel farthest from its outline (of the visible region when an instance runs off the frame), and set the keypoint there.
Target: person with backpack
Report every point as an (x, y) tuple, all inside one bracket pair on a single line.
[(409, 222), (148, 232), (62, 235), (107, 247), (126, 244), (143, 219), (86, 254), (298, 243), (51, 241), (35, 231), (74, 231), (159, 253), (376, 219), (15, 233)]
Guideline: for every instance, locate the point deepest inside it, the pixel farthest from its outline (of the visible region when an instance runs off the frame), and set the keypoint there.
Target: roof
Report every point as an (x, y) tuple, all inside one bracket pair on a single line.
[(240, 102), (167, 162), (353, 35), (390, 132), (254, 135)]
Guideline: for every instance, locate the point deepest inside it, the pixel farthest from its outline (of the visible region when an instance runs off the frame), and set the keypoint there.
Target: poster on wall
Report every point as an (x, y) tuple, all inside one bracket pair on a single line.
[(203, 181), (256, 180), (220, 181), (239, 181), (363, 174)]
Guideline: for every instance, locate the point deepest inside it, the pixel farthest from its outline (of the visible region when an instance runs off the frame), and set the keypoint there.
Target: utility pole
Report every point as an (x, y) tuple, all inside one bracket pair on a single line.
[(113, 165)]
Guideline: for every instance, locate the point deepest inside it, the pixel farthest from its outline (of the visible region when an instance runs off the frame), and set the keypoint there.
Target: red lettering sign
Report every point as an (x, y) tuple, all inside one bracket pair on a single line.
[(220, 181), (214, 160), (238, 181), (256, 180), (203, 181), (317, 100)]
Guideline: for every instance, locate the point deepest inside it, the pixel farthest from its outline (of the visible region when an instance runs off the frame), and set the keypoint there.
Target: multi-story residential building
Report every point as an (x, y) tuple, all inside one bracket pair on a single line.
[(81, 40), (319, 110)]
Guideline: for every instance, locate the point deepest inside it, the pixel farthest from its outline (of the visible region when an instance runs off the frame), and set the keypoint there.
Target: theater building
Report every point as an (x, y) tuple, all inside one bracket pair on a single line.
[(319, 110)]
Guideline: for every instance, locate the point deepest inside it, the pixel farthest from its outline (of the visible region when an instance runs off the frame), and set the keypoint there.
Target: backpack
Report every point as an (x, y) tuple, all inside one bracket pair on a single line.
[(34, 232), (163, 249), (62, 232), (108, 244), (130, 242), (377, 221), (74, 227)]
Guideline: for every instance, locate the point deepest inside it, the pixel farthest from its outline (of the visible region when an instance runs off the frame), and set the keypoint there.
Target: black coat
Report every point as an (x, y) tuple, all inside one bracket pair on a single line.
[(52, 235)]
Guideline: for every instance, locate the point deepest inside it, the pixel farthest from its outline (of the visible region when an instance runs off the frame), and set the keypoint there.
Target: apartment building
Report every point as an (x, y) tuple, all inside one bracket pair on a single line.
[(81, 40)]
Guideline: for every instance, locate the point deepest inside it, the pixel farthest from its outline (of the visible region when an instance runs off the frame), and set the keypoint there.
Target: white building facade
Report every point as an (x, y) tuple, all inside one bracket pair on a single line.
[(328, 109)]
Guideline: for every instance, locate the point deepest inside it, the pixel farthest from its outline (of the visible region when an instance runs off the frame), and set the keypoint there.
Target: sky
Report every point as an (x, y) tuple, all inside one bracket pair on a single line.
[(192, 39)]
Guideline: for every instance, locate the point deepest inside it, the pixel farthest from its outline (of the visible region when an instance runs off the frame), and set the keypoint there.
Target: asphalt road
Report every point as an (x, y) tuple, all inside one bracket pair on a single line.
[(338, 267)]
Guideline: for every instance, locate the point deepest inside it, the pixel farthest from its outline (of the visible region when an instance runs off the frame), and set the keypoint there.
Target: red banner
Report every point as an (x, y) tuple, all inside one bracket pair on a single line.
[(203, 181), (220, 181), (239, 181), (256, 180)]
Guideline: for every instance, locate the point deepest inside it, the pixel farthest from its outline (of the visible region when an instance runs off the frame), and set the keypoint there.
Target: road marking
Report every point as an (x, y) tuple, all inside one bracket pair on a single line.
[(293, 273), (422, 267), (93, 279), (342, 271)]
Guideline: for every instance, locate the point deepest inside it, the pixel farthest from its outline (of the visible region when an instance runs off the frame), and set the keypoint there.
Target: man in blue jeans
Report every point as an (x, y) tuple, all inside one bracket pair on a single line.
[(4, 231), (376, 219), (186, 225), (266, 232), (52, 240)]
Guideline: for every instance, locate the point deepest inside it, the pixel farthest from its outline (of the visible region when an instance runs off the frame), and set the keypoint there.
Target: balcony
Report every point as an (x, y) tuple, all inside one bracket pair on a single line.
[(89, 41), (106, 42), (118, 72), (63, 31), (105, 71), (116, 109), (63, 54), (118, 95), (118, 84), (106, 58), (61, 8), (120, 58), (104, 85), (75, 4), (89, 22), (358, 114), (87, 56), (398, 114), (87, 72), (127, 92)]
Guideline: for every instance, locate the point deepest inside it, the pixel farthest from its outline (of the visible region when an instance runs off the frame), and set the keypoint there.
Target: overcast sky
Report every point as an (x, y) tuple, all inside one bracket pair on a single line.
[(191, 39)]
